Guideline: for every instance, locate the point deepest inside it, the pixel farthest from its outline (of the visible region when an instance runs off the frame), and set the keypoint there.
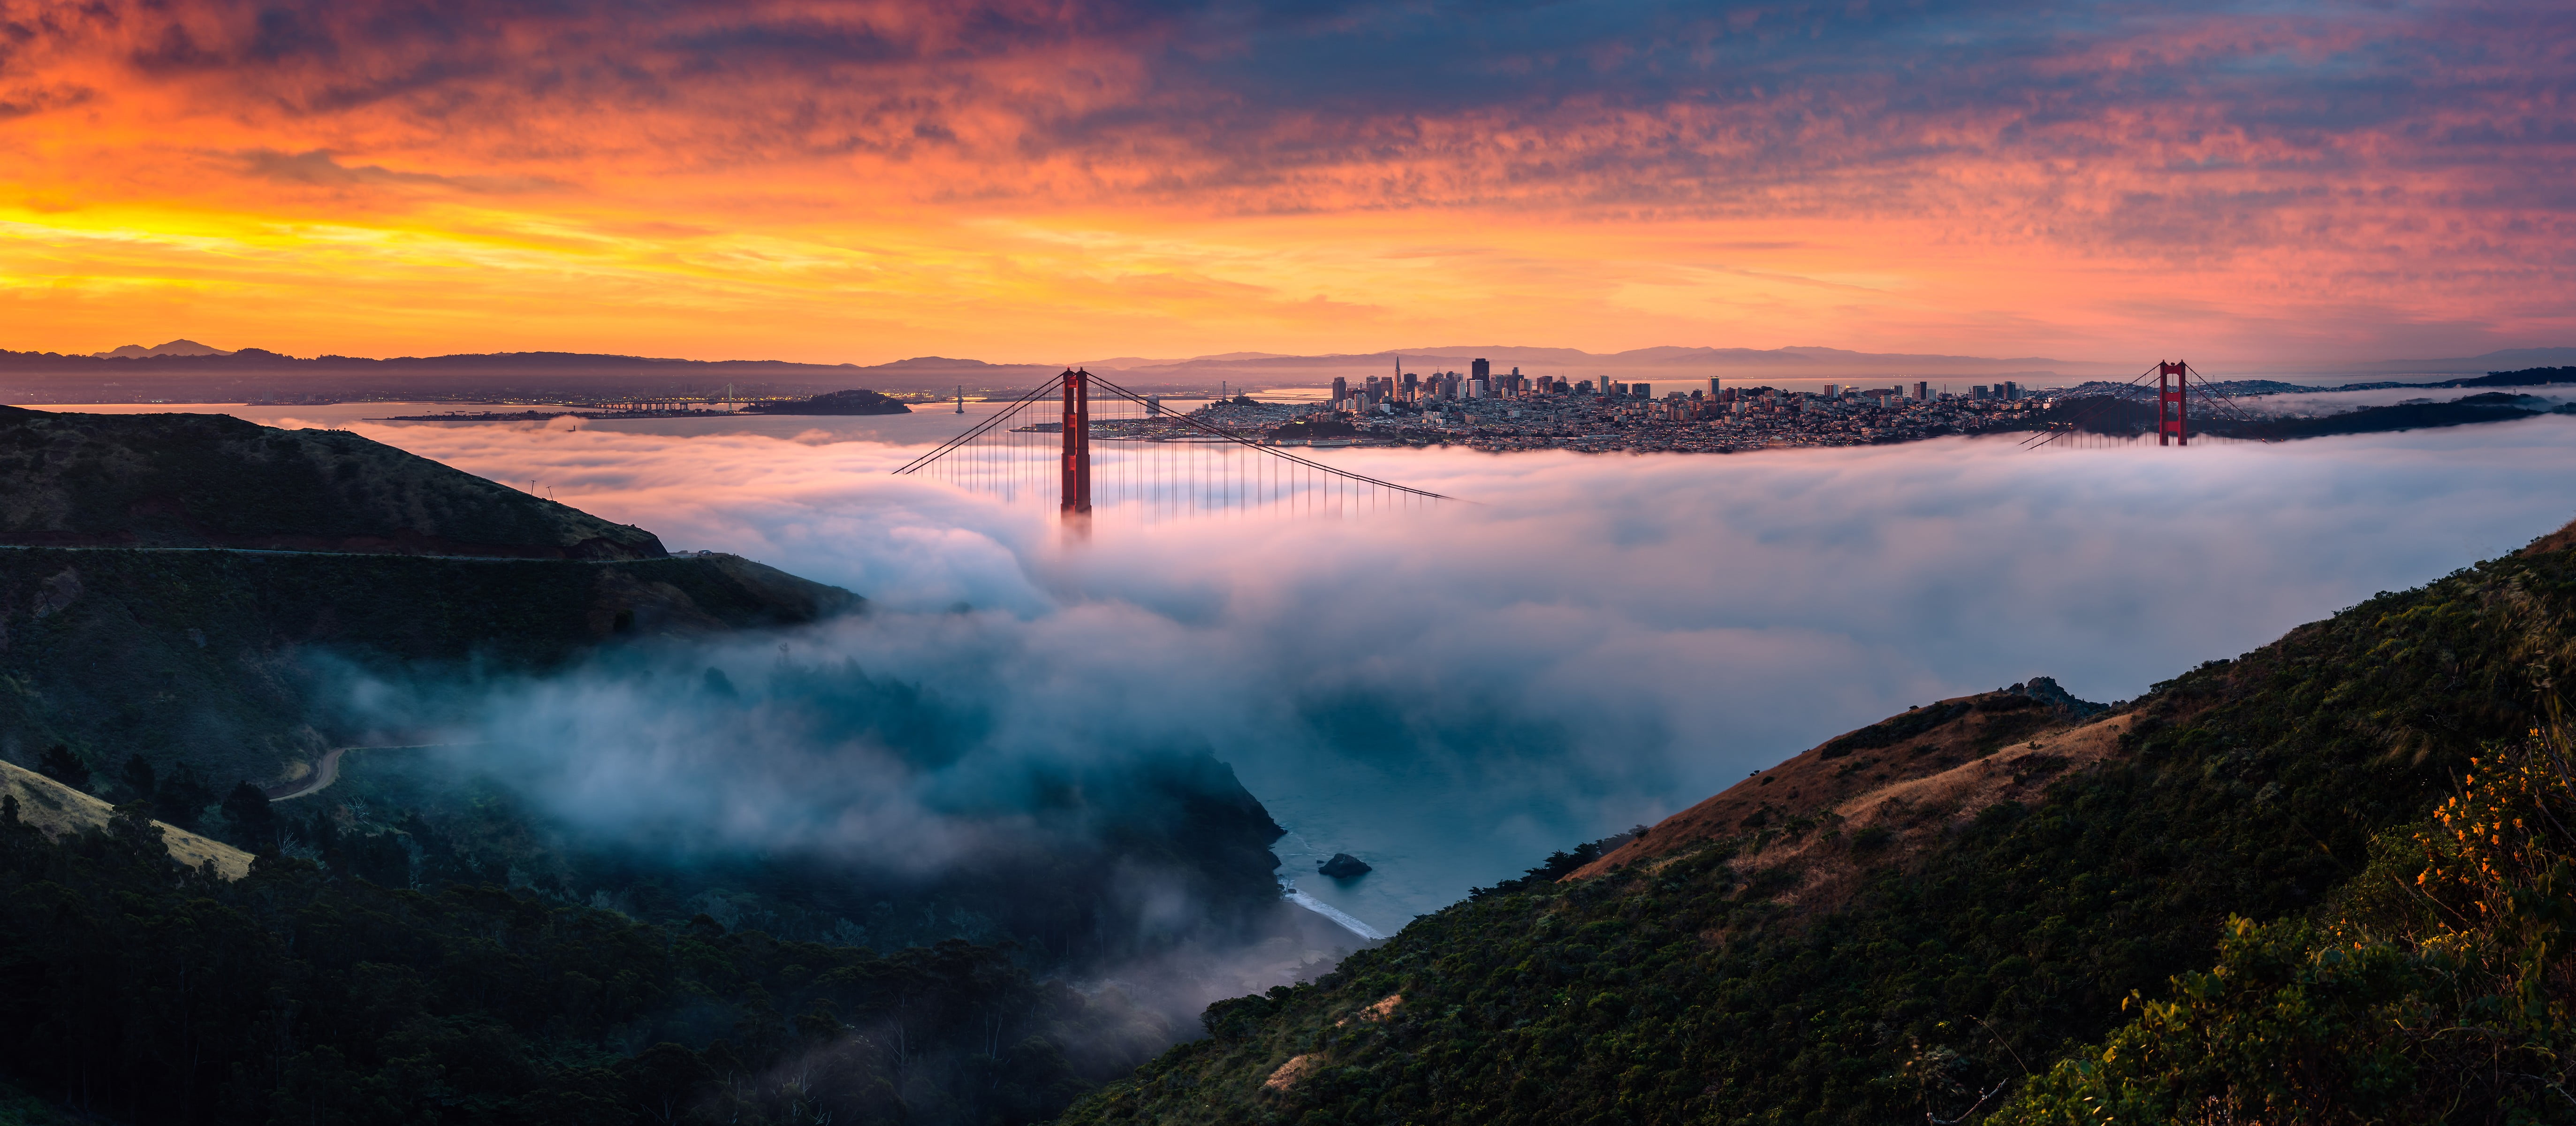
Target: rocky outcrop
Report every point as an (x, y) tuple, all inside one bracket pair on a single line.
[(1343, 866), (2046, 690)]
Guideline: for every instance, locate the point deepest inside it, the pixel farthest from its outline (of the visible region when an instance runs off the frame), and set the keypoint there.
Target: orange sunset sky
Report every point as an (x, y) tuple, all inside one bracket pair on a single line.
[(1033, 181)]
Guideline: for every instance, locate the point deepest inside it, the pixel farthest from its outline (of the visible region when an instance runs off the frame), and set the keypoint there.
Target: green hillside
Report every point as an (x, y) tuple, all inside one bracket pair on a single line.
[(211, 657), (1779, 968), (429, 939), (203, 480)]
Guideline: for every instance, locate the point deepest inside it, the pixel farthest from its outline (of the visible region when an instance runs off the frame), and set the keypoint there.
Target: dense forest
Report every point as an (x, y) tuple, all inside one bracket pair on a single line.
[(308, 992), (2327, 881)]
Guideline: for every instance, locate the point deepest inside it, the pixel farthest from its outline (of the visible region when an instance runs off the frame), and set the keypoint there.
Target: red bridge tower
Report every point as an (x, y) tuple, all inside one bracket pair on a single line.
[(2172, 418), (1077, 443)]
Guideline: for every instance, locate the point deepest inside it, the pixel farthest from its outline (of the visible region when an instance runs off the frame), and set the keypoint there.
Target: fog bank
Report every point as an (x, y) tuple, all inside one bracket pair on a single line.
[(1597, 641)]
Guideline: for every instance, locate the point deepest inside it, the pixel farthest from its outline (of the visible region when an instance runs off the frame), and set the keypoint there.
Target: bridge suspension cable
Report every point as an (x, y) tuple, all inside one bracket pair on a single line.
[(1102, 442), (2176, 382)]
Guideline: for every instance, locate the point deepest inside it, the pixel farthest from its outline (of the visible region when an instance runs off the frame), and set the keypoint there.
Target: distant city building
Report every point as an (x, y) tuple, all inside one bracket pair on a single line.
[(1341, 389), (1833, 390), (1642, 390), (2012, 390), (1712, 387), (1922, 391), (1481, 369)]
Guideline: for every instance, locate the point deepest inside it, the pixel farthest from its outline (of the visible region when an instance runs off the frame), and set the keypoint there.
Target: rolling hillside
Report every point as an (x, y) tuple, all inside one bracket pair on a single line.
[(229, 660), (1943, 914), (430, 940), (58, 809), (176, 480)]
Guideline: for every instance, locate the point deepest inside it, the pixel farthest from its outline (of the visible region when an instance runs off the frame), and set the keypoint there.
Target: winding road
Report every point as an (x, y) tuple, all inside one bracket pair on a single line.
[(329, 770)]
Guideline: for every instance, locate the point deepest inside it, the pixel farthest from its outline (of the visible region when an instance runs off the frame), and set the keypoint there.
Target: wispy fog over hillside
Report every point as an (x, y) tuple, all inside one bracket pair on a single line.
[(1596, 641)]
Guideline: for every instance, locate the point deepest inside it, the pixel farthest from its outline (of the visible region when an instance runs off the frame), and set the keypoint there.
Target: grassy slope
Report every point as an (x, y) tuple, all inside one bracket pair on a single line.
[(208, 656), (1691, 988), (181, 480), (58, 809)]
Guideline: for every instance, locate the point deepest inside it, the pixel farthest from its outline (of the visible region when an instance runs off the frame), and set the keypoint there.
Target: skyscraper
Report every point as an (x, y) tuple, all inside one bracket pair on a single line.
[(1481, 369), (1341, 389)]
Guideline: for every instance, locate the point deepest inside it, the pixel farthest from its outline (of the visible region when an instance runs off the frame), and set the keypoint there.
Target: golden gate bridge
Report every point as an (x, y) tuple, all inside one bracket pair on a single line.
[(2177, 385), (1082, 441)]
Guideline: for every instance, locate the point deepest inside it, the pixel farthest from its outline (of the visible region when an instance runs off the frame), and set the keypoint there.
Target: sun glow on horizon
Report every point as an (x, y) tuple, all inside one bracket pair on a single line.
[(861, 183)]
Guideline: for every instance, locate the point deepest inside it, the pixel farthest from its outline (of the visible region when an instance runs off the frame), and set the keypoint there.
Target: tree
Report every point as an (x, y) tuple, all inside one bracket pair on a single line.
[(60, 764), (182, 798), (140, 782), (248, 820)]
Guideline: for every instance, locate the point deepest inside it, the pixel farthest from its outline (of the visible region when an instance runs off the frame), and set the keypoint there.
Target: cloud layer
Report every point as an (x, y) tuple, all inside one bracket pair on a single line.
[(1001, 177), (1601, 640)]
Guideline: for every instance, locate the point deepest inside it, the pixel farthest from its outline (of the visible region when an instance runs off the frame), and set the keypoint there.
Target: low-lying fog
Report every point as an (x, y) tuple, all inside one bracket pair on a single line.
[(1597, 641)]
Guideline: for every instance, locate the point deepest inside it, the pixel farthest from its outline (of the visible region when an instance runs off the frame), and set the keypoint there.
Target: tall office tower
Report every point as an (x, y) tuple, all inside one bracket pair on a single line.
[(1977, 391), (1922, 391), (1341, 389), (1833, 389), (1412, 382), (2012, 390), (1712, 387), (1481, 369), (1642, 390)]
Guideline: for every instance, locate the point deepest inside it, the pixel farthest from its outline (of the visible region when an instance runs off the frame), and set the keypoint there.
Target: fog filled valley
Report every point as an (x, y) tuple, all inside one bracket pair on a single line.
[(887, 801)]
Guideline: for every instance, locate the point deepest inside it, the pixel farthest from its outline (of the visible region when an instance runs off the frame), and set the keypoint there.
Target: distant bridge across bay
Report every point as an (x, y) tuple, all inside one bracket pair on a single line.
[(1086, 442)]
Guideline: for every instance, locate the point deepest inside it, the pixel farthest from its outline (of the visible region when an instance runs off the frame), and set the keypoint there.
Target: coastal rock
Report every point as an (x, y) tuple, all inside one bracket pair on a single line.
[(1343, 866)]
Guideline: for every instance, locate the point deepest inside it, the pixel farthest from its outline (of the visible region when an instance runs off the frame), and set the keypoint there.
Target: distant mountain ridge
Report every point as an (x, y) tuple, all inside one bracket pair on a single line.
[(181, 347), (172, 373)]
